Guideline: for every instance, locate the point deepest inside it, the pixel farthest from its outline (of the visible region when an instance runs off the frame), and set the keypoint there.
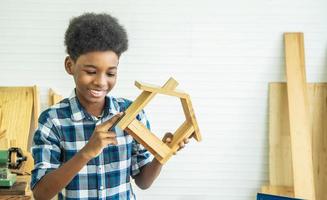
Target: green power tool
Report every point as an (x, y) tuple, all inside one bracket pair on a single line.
[(10, 159)]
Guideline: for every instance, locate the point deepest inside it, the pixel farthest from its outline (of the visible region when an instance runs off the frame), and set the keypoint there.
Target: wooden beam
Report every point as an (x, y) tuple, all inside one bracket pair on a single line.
[(300, 128)]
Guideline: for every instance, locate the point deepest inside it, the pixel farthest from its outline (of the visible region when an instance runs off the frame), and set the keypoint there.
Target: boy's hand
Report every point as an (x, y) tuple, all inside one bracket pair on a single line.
[(168, 138), (101, 137)]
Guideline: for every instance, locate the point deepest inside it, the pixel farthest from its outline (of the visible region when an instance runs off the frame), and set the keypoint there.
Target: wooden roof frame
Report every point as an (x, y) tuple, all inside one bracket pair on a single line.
[(144, 136)]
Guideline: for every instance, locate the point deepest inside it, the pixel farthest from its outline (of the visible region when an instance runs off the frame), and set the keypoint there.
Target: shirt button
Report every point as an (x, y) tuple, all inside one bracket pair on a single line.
[(101, 187), (100, 168)]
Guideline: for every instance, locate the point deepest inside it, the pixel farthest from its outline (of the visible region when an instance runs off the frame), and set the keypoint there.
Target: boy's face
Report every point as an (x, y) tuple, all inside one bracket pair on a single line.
[(95, 74)]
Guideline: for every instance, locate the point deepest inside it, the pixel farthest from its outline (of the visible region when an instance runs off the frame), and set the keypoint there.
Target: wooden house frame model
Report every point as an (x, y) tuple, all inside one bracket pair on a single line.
[(144, 136)]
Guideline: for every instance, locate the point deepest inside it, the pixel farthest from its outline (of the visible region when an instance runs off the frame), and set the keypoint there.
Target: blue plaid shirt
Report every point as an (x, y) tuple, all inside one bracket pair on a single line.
[(65, 128)]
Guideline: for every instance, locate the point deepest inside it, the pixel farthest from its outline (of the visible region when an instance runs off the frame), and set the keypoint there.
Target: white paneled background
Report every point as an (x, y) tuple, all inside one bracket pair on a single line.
[(223, 53)]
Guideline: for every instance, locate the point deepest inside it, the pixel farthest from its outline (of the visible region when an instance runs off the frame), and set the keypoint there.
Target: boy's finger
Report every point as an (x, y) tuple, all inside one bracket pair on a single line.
[(106, 133), (111, 141), (168, 140), (181, 145), (110, 123), (168, 136)]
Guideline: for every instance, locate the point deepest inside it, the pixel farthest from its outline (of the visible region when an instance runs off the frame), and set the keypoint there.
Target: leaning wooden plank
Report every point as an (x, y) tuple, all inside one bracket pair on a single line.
[(53, 97), (318, 113), (280, 145), (2, 130), (300, 124), (280, 154), (36, 106), (17, 104), (35, 115)]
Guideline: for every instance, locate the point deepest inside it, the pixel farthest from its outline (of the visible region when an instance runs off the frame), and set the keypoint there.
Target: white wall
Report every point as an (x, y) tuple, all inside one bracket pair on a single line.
[(223, 53)]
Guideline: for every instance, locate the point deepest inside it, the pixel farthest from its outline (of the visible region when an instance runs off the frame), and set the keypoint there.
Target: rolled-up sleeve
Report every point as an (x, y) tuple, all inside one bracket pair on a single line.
[(140, 156), (45, 149)]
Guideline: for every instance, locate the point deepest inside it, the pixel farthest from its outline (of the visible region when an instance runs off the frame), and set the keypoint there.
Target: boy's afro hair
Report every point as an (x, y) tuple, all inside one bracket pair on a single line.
[(95, 32)]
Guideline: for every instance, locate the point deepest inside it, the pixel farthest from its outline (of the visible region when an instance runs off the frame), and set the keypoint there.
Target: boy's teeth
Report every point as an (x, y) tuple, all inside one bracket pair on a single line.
[(96, 93)]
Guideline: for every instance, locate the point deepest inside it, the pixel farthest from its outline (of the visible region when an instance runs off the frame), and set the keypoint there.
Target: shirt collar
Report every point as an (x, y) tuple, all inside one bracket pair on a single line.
[(79, 113)]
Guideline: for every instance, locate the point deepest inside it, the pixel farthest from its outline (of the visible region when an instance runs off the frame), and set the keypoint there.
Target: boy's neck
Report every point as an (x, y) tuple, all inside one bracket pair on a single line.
[(94, 109)]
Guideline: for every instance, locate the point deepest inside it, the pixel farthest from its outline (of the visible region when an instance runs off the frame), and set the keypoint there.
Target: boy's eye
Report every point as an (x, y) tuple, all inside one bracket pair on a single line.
[(111, 74), (90, 72)]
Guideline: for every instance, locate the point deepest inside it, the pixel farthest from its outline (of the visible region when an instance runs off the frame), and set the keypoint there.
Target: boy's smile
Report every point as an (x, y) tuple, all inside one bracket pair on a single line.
[(95, 74)]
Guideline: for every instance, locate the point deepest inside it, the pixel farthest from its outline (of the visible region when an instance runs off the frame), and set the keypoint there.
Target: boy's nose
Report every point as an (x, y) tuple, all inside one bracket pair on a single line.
[(100, 80)]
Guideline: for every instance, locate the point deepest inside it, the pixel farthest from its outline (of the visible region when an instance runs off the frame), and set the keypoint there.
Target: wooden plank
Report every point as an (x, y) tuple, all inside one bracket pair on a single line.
[(19, 188), (53, 97), (280, 171), (301, 141), (278, 190), (318, 113), (2, 129), (16, 104), (280, 154), (36, 106)]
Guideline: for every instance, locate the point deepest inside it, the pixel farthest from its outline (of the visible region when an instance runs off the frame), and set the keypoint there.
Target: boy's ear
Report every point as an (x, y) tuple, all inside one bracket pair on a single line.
[(69, 63)]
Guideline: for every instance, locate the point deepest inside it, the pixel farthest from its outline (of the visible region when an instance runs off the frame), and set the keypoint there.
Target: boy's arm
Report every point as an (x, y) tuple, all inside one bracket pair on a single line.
[(53, 182), (152, 170)]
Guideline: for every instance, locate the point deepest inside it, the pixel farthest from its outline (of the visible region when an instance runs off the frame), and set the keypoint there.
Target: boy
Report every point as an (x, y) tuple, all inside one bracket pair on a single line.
[(77, 152)]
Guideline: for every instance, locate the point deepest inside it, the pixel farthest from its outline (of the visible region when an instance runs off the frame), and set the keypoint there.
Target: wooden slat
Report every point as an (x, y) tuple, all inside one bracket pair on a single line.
[(280, 171), (53, 97), (2, 129), (318, 112), (280, 154), (16, 104), (36, 106), (299, 117)]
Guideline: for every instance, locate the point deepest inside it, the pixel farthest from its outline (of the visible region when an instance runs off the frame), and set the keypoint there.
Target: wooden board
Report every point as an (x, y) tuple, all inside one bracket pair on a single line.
[(280, 154), (300, 124), (16, 104), (19, 188), (280, 159), (53, 97)]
